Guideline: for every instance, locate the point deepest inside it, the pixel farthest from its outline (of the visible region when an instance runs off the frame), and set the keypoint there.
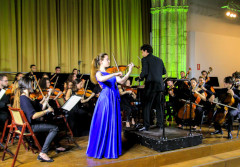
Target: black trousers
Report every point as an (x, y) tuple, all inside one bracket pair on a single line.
[(51, 129), (4, 115), (150, 98)]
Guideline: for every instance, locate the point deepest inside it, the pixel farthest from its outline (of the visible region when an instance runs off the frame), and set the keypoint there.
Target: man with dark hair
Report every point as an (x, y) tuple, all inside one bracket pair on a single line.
[(32, 70), (57, 70), (152, 71), (4, 100), (230, 92), (75, 71)]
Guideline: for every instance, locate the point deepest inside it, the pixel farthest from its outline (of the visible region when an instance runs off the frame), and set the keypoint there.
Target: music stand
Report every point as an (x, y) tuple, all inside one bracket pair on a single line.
[(67, 106), (40, 74)]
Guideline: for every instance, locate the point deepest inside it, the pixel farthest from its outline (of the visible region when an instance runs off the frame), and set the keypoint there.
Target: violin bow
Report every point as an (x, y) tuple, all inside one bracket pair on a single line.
[(85, 88), (39, 86), (81, 76), (139, 58), (47, 104), (115, 62), (53, 77), (53, 88)]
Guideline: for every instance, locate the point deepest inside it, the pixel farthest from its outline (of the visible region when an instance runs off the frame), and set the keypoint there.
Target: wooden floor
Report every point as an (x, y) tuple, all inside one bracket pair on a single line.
[(137, 155)]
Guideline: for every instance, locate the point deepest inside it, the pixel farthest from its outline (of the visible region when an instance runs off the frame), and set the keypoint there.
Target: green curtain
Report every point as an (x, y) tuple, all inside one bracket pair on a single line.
[(169, 33), (52, 33)]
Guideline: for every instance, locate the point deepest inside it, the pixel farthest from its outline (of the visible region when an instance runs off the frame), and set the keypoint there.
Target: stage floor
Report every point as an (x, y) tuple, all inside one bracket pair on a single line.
[(136, 154)]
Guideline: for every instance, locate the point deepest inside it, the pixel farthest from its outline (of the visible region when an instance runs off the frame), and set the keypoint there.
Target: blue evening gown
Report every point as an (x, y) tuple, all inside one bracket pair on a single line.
[(105, 130)]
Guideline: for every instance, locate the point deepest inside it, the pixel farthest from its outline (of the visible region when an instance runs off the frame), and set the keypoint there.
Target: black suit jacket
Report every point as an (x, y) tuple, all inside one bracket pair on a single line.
[(152, 70)]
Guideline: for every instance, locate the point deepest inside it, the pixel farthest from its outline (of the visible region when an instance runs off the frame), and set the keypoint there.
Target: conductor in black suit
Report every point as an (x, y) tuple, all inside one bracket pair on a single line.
[(152, 70)]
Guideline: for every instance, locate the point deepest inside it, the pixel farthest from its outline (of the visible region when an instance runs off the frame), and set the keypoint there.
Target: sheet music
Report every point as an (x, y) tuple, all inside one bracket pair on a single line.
[(2, 92), (73, 100)]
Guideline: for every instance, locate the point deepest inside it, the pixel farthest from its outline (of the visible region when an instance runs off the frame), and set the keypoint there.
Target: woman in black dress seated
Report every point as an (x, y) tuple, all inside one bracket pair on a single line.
[(34, 117)]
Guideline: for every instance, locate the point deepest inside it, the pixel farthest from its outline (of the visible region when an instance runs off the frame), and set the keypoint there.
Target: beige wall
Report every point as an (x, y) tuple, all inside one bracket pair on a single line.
[(213, 42)]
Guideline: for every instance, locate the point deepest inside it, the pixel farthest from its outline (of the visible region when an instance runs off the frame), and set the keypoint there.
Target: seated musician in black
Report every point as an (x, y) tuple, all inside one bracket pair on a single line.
[(33, 116), (236, 77), (32, 70), (172, 91), (4, 101), (229, 96), (210, 94), (197, 96), (128, 97), (78, 118)]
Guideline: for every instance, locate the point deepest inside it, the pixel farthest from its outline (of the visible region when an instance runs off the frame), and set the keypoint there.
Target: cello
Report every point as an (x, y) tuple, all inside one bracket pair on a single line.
[(228, 101)]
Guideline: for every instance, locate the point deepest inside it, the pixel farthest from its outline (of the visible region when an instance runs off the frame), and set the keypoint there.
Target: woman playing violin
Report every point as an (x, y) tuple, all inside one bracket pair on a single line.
[(33, 116), (79, 119), (48, 90)]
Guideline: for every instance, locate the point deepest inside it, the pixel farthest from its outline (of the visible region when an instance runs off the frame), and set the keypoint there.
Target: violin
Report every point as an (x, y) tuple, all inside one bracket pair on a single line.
[(81, 92), (56, 91), (8, 90), (120, 68)]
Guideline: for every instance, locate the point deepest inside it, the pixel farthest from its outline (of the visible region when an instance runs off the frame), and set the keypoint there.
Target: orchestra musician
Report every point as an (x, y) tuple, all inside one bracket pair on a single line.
[(210, 96), (77, 116), (127, 97), (152, 71), (33, 116), (18, 76), (236, 77), (172, 91), (4, 100), (183, 75), (57, 70), (75, 71), (204, 74), (196, 96), (231, 97), (32, 70)]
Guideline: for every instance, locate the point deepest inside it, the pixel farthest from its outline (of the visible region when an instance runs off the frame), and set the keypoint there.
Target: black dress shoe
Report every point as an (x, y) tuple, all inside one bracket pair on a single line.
[(44, 160), (143, 129), (230, 136), (217, 132)]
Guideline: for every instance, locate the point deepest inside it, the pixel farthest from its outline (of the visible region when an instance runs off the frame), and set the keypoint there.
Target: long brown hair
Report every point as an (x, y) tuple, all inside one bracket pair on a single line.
[(23, 84), (95, 66)]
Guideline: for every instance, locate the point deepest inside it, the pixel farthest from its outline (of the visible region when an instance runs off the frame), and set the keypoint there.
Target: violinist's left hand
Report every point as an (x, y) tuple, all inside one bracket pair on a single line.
[(131, 65), (231, 92)]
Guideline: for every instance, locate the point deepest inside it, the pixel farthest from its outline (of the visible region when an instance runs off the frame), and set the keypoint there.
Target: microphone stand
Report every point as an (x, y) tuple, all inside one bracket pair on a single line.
[(164, 138)]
